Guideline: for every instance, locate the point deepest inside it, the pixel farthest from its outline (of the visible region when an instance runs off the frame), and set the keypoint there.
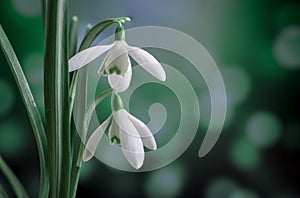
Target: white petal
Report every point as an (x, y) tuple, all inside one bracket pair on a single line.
[(118, 54), (148, 62), (122, 63), (132, 148), (113, 132), (91, 145), (122, 119), (119, 82), (86, 56), (131, 143), (144, 132)]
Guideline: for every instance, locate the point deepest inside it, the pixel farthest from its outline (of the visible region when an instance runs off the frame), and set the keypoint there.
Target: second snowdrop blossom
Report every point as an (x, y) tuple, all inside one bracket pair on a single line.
[(117, 65), (126, 130)]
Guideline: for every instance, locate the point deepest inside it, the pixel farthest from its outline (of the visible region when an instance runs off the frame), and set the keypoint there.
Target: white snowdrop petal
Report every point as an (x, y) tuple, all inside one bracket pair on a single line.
[(91, 145), (132, 148), (120, 82), (144, 132), (131, 143), (117, 52), (86, 56), (148, 62), (122, 119)]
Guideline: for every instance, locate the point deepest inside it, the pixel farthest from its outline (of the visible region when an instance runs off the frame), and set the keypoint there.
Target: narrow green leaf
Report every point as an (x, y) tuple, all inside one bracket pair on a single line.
[(3, 193), (73, 33), (72, 49), (31, 107), (12, 179), (56, 77)]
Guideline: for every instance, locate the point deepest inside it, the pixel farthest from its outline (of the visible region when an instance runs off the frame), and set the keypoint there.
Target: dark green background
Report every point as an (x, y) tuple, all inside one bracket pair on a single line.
[(257, 153)]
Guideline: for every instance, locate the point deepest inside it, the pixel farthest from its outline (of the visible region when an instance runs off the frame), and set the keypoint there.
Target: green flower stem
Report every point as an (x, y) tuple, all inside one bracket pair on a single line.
[(80, 106), (72, 49), (79, 77), (86, 121), (12, 179), (98, 29), (3, 193), (73, 33), (32, 110), (56, 89)]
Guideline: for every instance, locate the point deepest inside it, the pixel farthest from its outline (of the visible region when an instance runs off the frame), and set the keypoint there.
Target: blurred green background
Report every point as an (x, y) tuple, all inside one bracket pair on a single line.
[(255, 43)]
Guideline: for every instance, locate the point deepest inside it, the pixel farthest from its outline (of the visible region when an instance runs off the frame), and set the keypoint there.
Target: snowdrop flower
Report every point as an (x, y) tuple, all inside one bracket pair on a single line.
[(117, 65), (126, 130)]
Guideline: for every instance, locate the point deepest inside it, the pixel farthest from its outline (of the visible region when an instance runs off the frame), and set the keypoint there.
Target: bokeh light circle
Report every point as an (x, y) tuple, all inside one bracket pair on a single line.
[(168, 181), (287, 47), (263, 129), (13, 138), (244, 155), (221, 187), (23, 8), (237, 83)]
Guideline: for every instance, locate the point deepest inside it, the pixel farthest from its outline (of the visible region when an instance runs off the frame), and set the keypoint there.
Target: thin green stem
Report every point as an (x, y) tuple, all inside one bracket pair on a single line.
[(13, 180), (80, 147), (79, 77), (72, 49), (3, 193), (86, 121), (32, 110), (80, 106), (66, 118), (73, 88), (73, 34), (98, 29)]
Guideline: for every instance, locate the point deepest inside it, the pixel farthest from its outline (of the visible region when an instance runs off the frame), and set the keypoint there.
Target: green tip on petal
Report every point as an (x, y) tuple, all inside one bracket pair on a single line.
[(117, 102), (115, 69), (115, 140), (127, 19)]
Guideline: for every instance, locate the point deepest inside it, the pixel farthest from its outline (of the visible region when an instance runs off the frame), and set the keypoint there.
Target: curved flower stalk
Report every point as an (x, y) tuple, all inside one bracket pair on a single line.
[(117, 65), (126, 130)]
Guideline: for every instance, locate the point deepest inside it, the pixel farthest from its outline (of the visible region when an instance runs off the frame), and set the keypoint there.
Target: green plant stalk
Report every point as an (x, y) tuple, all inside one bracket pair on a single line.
[(80, 106), (13, 180), (66, 136), (3, 193), (80, 77), (57, 97), (72, 49), (73, 34), (78, 84), (32, 110), (86, 121)]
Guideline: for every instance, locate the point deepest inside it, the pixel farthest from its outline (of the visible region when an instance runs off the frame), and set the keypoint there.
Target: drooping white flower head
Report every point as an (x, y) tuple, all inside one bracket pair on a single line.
[(117, 65), (126, 130)]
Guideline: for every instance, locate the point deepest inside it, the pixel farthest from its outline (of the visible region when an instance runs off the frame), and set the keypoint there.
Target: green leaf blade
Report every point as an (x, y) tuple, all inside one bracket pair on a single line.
[(12, 179), (31, 107)]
